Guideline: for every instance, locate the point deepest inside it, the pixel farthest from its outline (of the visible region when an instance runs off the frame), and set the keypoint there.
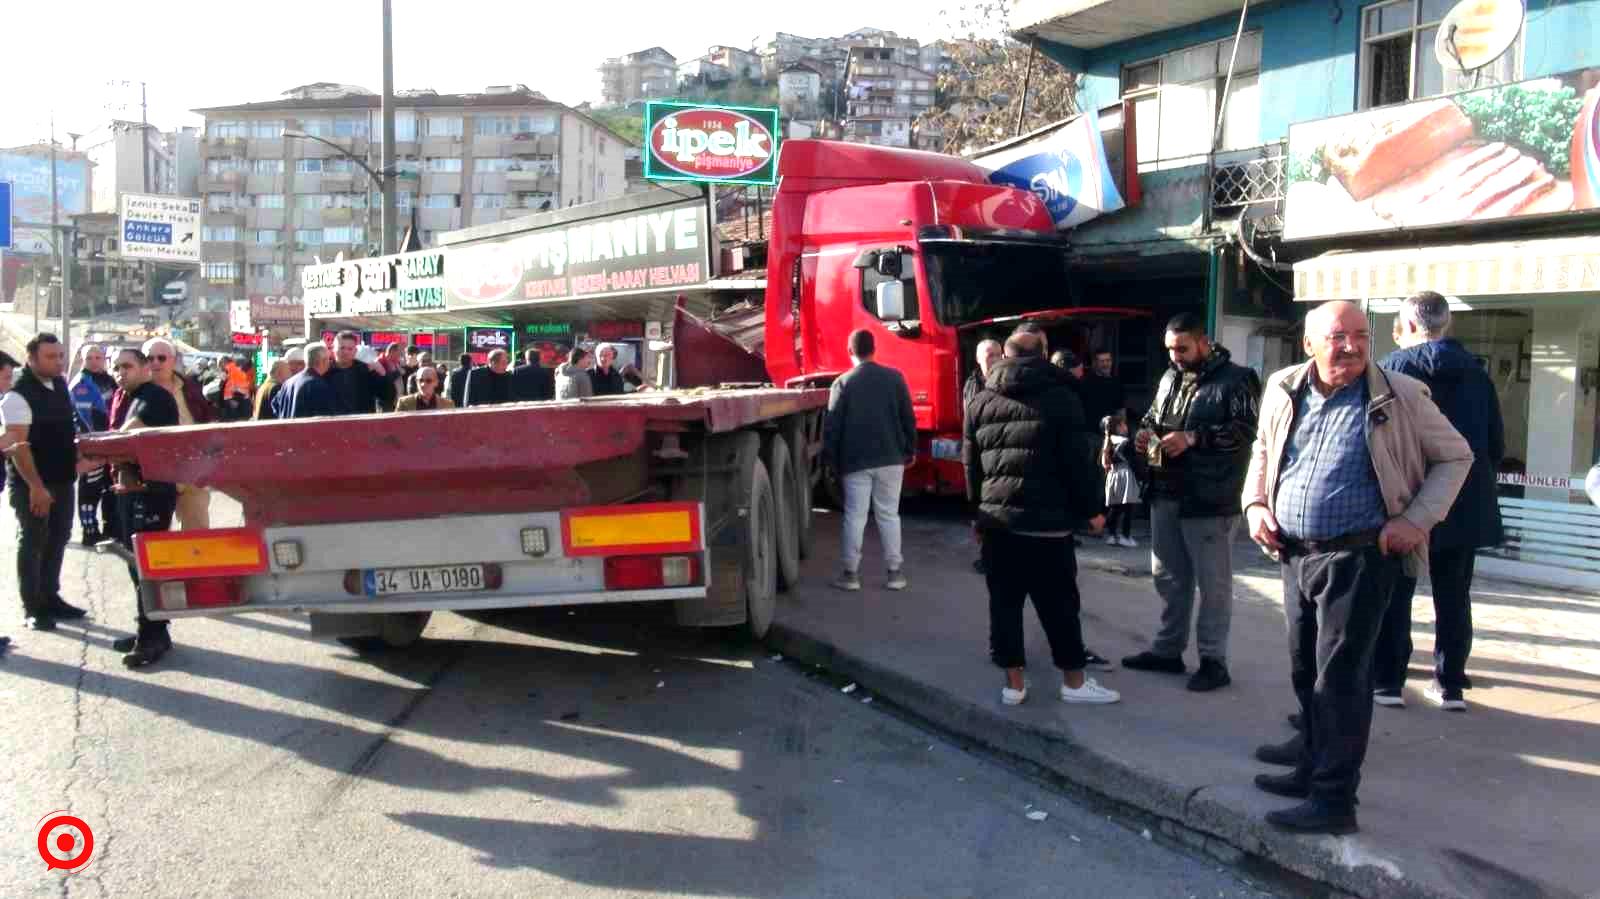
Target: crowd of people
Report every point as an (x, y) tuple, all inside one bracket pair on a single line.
[(1355, 475)]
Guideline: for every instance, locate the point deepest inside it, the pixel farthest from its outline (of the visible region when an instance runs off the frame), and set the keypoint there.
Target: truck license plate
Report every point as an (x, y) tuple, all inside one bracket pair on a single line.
[(946, 449), (428, 579)]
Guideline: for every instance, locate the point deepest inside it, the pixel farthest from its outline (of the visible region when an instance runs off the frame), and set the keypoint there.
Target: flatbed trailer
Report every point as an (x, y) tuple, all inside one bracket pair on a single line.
[(370, 523)]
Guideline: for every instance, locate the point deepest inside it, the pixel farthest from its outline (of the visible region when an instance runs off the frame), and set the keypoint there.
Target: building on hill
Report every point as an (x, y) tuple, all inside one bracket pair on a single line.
[(641, 75), (884, 96), (800, 91)]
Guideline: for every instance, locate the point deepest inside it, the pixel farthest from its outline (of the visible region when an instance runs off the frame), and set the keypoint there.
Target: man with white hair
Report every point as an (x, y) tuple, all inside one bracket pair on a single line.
[(277, 376), (194, 503), (1350, 469), (1467, 398), (296, 359), (308, 394), (989, 352), (606, 376), (490, 385)]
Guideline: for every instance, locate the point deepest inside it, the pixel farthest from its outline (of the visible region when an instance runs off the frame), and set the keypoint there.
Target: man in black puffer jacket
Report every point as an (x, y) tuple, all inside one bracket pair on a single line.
[(1029, 473), (1197, 436)]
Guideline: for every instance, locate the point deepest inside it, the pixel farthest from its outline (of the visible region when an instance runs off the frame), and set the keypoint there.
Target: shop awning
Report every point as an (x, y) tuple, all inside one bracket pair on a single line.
[(1554, 266)]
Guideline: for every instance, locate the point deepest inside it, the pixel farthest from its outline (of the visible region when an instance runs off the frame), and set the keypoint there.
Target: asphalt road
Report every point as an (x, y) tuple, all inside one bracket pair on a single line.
[(593, 752)]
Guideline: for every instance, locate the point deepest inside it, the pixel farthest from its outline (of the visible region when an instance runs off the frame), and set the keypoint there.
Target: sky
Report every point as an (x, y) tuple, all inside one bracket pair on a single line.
[(195, 54)]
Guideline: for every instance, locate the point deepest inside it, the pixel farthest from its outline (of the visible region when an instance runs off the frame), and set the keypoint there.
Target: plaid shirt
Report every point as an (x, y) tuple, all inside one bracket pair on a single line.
[(1327, 487)]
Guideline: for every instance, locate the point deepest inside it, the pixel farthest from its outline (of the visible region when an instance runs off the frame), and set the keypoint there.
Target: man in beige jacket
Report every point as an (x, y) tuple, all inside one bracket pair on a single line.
[(1351, 467)]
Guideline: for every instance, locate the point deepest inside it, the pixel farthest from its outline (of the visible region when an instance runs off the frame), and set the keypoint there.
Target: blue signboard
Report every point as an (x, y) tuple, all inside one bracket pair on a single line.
[(5, 215), (134, 231), (29, 174)]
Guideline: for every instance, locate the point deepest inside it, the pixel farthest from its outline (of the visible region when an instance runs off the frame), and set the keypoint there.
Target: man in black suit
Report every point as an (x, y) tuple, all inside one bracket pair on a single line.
[(457, 382), (489, 385), (532, 381)]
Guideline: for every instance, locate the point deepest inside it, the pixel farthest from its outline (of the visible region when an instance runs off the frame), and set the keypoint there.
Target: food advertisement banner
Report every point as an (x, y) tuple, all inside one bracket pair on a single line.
[(661, 248), (382, 285), (1523, 149)]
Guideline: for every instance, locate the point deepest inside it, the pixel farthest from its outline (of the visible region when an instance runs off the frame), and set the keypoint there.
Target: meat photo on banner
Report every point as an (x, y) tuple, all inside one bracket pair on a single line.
[(1523, 149)]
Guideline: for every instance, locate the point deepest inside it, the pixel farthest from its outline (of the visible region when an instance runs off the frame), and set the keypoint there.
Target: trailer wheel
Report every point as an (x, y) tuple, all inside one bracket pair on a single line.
[(401, 630), (760, 554), (786, 504), (795, 434)]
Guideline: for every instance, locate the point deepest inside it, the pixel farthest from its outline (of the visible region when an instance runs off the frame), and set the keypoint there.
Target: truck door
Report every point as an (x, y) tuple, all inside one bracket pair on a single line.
[(900, 328)]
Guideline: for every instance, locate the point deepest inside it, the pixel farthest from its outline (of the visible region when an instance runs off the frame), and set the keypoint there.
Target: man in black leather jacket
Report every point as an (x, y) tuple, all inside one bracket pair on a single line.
[(1197, 438)]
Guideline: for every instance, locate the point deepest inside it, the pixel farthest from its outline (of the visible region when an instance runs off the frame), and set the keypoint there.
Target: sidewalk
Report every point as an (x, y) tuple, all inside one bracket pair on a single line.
[(1503, 800)]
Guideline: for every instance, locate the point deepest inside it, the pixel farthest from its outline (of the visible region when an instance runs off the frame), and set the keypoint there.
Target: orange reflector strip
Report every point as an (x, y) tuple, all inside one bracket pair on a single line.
[(642, 528), (168, 555)]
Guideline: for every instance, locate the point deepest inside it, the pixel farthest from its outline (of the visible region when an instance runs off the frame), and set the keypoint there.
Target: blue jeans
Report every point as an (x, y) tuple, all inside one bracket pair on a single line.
[(879, 490)]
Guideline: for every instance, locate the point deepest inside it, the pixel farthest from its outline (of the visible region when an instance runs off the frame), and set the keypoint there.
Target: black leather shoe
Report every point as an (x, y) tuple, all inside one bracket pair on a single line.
[(124, 644), (1313, 816), (1212, 675), (4, 643), (91, 536), (1296, 722), (39, 623), (1149, 661), (1286, 753), (1290, 785), (61, 610), (147, 651)]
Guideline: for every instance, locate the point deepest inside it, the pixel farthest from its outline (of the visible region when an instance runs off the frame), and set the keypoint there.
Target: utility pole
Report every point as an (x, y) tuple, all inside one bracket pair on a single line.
[(55, 225), (144, 138), (388, 221)]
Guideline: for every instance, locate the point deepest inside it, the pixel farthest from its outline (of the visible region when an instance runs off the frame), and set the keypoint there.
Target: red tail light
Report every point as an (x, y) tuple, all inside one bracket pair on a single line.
[(201, 593), (650, 572)]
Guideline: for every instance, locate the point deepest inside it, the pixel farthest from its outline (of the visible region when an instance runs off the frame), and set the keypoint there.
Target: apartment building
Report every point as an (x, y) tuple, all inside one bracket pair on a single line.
[(641, 75), (166, 163), (275, 200), (884, 96), (741, 63)]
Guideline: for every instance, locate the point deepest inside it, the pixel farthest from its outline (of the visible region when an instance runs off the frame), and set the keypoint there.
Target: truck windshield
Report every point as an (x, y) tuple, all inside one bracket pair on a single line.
[(975, 280)]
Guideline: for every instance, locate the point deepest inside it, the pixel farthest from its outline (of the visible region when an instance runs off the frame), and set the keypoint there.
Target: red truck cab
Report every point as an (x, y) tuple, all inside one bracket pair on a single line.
[(965, 251)]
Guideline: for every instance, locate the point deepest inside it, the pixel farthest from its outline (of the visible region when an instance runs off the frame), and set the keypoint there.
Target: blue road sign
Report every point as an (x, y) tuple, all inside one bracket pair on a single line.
[(5, 215), (147, 232)]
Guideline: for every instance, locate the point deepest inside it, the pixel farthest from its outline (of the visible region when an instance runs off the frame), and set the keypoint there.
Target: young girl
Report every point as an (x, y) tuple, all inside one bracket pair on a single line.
[(1122, 487)]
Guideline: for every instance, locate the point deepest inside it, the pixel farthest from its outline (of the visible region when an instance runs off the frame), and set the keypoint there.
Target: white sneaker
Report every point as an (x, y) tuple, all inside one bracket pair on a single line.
[(1393, 699), (1449, 700), (1091, 693), (1009, 696), (1111, 541), (1129, 542)]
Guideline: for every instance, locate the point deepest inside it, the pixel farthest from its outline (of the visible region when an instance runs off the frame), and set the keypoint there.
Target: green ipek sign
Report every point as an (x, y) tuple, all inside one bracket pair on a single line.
[(710, 144)]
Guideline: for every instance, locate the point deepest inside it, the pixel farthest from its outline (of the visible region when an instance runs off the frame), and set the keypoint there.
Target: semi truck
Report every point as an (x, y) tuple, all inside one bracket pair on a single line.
[(697, 495)]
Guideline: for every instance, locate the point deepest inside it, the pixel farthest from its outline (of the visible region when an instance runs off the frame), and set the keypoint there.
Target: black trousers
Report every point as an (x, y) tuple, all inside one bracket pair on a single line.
[(41, 546), (1334, 603), (137, 513), (1044, 569), (96, 502), (1451, 572), (1120, 516)]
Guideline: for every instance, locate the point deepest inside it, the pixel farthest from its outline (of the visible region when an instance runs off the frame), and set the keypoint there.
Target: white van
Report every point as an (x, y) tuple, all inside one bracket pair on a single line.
[(175, 292)]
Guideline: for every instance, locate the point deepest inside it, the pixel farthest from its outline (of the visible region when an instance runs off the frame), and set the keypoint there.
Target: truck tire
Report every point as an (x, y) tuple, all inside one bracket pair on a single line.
[(401, 630), (787, 500), (795, 434), (760, 554)]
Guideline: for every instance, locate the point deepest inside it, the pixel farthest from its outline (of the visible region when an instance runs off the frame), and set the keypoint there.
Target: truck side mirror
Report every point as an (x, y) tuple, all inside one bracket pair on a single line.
[(891, 301)]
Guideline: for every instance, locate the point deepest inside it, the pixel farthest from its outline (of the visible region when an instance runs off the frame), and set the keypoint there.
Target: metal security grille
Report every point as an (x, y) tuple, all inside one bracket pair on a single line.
[(1238, 181)]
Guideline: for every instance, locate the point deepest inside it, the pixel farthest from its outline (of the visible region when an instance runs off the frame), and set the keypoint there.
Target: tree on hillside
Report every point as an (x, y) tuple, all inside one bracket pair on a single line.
[(627, 123), (981, 93)]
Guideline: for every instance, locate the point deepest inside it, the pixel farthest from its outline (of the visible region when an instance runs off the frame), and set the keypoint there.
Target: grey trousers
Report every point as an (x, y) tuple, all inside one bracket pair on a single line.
[(1186, 554)]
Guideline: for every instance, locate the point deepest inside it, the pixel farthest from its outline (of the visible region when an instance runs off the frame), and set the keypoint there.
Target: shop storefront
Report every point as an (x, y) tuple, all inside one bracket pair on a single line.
[(608, 272), (1520, 262)]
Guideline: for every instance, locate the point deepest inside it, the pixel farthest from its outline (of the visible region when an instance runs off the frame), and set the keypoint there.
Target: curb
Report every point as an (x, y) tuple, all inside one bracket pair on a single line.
[(1211, 826)]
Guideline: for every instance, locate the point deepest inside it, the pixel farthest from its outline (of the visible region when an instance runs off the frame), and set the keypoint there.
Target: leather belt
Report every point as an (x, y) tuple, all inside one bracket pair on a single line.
[(1342, 543)]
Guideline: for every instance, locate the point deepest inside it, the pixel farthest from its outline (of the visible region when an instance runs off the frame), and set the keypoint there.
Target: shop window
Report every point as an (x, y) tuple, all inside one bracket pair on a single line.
[(1398, 61)]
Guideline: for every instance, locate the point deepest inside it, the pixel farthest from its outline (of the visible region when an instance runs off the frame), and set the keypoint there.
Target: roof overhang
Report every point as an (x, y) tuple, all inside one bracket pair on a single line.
[(1089, 24), (1554, 266)]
